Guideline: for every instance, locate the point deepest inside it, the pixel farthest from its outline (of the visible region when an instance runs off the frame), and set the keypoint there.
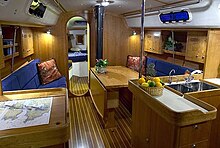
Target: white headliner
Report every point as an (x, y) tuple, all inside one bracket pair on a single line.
[(118, 7)]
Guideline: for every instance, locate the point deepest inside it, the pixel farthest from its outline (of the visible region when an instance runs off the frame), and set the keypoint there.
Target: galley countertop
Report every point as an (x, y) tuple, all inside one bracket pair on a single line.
[(177, 109)]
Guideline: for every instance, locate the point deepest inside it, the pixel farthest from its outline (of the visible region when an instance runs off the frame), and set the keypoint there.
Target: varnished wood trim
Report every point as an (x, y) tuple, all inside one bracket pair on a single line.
[(20, 24), (176, 118)]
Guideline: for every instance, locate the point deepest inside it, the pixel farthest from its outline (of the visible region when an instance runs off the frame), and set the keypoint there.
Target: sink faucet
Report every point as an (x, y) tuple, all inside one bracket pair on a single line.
[(190, 77), (170, 78)]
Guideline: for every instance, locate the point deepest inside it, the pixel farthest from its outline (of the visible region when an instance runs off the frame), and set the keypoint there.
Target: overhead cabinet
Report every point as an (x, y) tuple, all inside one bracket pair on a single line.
[(153, 42), (196, 46), (26, 42), (9, 46)]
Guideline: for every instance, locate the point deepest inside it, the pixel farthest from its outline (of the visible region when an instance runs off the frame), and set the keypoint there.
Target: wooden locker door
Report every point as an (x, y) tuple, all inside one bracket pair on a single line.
[(196, 46), (141, 115), (149, 42), (27, 42)]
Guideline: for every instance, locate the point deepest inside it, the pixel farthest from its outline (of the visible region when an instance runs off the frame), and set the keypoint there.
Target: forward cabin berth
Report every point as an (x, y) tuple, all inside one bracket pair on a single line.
[(110, 74)]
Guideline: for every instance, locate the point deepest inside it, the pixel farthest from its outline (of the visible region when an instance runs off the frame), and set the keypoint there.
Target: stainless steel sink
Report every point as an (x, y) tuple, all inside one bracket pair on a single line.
[(192, 86)]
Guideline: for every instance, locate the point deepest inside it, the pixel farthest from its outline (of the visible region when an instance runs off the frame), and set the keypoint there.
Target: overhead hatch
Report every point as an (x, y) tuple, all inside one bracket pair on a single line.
[(4, 2)]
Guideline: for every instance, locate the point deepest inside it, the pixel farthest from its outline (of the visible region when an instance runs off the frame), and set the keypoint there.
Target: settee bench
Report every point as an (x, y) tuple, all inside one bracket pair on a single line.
[(27, 77), (163, 68)]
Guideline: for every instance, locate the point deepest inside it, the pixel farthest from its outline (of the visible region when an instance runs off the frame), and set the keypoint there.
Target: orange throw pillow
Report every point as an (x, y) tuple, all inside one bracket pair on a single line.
[(48, 71)]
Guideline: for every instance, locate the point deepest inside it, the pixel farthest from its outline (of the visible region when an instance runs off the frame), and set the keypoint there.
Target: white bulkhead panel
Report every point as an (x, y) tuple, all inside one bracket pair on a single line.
[(17, 11), (206, 14)]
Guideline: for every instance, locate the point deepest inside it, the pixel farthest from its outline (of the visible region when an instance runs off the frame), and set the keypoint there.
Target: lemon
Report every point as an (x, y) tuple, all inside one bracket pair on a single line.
[(141, 80), (158, 84), (148, 81), (145, 84), (152, 84), (156, 79)]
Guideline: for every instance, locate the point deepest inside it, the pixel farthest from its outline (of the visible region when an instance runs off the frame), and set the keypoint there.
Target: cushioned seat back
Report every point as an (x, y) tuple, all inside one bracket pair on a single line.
[(10, 83), (163, 68), (22, 78), (182, 70), (150, 60), (26, 74)]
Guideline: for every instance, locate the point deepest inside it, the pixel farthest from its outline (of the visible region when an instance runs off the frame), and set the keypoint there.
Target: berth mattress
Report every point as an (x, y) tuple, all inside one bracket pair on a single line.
[(77, 56)]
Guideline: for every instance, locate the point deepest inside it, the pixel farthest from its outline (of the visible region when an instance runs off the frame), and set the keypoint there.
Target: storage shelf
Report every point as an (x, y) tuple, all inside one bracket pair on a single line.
[(175, 52), (10, 45), (10, 56)]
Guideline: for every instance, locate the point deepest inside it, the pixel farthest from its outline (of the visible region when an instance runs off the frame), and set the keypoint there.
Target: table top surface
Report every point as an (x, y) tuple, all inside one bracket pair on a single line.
[(116, 76), (58, 117)]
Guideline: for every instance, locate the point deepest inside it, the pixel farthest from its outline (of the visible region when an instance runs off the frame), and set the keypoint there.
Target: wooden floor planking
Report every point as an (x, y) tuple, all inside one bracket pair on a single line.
[(86, 129), (78, 85)]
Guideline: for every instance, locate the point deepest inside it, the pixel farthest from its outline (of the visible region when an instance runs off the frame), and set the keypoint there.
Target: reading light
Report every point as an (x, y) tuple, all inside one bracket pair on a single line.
[(156, 34), (48, 31), (134, 32)]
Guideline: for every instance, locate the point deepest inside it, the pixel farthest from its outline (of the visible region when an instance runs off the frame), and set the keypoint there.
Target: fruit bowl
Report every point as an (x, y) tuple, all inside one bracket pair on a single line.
[(154, 91), (153, 86)]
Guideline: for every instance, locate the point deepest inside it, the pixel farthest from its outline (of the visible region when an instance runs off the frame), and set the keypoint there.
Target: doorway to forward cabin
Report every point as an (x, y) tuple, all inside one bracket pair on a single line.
[(78, 51)]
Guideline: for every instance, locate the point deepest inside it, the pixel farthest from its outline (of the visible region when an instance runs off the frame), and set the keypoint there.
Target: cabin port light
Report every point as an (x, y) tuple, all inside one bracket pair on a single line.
[(48, 31), (134, 32)]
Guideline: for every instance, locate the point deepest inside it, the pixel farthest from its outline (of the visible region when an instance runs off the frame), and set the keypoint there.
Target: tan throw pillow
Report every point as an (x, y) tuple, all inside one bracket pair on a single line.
[(48, 71)]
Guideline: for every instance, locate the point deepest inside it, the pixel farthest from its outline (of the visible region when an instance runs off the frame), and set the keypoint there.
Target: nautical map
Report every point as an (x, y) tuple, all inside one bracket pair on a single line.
[(24, 113)]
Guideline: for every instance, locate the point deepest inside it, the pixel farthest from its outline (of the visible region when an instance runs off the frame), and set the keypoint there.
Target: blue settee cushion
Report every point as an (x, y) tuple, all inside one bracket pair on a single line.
[(10, 83), (163, 68), (27, 78), (27, 73), (61, 82)]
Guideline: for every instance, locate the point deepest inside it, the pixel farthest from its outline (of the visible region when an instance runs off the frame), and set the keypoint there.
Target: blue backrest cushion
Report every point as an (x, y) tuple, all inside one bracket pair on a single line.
[(61, 82), (27, 73), (182, 70), (33, 84), (151, 60), (10, 83), (165, 67), (158, 73)]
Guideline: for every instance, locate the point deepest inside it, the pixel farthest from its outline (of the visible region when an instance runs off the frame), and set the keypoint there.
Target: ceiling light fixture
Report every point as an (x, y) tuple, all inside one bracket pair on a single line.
[(48, 31), (134, 32), (104, 2)]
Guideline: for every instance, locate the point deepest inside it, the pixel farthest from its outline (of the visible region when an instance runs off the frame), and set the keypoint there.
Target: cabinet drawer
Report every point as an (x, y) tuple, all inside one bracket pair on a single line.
[(194, 133), (202, 144)]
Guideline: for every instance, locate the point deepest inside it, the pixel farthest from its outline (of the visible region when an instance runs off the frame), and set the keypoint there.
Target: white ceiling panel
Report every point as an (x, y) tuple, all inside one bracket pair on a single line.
[(118, 7)]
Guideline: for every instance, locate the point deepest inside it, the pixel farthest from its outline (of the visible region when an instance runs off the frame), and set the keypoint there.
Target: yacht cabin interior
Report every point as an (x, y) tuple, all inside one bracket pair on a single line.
[(110, 73)]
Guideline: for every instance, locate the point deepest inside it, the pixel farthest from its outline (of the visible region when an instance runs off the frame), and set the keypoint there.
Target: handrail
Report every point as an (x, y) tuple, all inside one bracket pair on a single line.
[(199, 4)]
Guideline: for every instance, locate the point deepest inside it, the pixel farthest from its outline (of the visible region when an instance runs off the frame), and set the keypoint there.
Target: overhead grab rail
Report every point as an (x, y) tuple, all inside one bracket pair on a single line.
[(191, 4)]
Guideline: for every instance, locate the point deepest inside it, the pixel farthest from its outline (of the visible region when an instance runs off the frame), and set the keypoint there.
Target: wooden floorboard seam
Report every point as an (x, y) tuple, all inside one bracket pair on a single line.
[(86, 129)]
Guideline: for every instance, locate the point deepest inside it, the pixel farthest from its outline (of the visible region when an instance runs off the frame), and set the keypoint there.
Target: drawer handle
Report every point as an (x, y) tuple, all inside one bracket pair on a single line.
[(147, 140), (197, 56), (193, 146), (203, 57), (195, 126)]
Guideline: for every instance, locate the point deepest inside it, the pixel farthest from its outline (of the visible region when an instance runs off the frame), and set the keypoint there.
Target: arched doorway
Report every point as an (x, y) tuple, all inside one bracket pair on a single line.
[(78, 55)]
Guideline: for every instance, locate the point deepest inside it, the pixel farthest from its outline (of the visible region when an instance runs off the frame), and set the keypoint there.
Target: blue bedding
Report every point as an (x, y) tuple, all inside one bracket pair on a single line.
[(77, 56)]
